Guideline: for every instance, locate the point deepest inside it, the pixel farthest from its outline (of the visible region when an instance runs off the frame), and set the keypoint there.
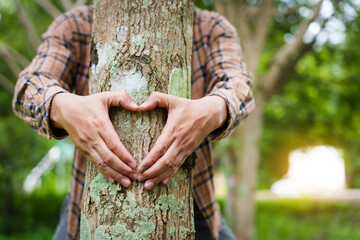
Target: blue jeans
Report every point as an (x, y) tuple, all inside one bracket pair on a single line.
[(202, 231)]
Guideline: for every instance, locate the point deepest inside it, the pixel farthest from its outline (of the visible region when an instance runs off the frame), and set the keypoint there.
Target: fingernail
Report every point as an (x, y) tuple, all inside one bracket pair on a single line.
[(143, 168), (134, 176), (165, 181), (141, 178), (149, 185), (125, 182), (110, 179)]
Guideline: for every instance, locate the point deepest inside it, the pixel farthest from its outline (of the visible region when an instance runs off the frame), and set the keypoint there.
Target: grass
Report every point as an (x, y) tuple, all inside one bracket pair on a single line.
[(306, 219)]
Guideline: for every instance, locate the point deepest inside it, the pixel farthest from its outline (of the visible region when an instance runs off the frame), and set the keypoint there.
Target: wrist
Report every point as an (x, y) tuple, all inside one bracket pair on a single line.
[(218, 110), (56, 108)]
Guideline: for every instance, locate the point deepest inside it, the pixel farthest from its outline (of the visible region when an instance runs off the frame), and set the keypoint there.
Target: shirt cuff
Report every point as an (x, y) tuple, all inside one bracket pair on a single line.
[(237, 110), (49, 130)]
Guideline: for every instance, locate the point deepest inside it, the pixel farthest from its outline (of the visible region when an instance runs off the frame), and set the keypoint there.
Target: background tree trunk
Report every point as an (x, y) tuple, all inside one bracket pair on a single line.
[(140, 47), (253, 23)]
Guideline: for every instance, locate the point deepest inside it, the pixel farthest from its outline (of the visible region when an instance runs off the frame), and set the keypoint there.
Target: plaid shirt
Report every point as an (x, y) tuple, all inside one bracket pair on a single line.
[(62, 65)]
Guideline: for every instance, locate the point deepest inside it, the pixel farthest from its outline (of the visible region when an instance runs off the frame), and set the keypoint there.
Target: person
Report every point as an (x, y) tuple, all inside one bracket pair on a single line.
[(52, 97)]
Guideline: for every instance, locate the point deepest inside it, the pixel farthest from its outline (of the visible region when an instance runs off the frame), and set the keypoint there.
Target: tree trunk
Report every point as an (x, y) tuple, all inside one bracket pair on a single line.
[(140, 47), (253, 31), (244, 157), (243, 180)]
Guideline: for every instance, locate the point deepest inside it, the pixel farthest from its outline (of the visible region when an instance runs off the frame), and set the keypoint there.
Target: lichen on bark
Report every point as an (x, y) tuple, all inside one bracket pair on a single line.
[(84, 228)]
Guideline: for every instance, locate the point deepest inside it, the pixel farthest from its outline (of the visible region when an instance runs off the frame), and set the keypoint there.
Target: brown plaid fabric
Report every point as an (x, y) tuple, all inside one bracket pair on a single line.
[(62, 65)]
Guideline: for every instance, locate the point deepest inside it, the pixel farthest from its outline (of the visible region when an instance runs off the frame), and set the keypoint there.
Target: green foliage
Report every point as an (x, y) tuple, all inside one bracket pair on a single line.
[(204, 4), (20, 150), (305, 219), (34, 216), (12, 32), (20, 147), (318, 106)]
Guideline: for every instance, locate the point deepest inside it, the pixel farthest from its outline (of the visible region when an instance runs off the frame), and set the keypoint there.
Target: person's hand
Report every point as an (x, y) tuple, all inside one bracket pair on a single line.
[(86, 120), (188, 124)]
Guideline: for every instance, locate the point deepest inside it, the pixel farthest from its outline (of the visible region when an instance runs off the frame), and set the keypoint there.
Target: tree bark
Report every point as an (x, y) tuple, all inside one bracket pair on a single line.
[(140, 47)]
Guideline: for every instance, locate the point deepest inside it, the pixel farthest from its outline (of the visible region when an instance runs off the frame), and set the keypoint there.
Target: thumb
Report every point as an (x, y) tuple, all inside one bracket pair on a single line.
[(156, 99), (119, 99)]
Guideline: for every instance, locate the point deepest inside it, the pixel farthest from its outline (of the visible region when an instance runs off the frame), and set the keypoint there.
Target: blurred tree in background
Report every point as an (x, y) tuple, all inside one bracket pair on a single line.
[(276, 37), (313, 102)]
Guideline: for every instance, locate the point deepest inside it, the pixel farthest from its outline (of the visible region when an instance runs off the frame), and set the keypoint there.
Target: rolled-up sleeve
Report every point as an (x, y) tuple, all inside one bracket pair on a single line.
[(51, 72), (227, 75)]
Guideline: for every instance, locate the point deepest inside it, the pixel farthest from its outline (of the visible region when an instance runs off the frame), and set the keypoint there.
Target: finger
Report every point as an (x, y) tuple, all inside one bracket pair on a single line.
[(111, 160), (156, 99), (112, 141), (119, 99), (165, 181), (109, 179), (109, 173), (124, 181), (161, 146), (149, 184), (168, 178), (167, 163)]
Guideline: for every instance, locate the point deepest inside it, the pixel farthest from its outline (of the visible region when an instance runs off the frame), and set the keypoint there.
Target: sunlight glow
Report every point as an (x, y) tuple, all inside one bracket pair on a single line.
[(317, 171), (327, 9)]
